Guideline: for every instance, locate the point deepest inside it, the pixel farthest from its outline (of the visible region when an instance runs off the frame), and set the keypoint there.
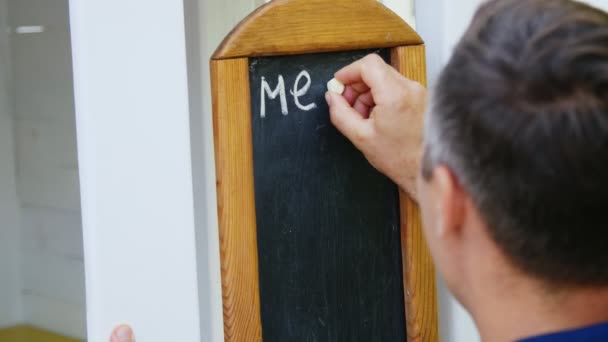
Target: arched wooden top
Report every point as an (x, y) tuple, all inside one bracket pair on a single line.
[(286, 27)]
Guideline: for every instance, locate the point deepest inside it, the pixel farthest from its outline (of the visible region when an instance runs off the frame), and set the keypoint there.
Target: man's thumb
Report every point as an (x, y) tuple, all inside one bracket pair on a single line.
[(346, 119), (122, 333)]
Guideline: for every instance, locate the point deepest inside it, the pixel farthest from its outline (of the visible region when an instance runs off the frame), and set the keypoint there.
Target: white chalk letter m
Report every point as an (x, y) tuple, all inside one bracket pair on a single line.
[(272, 94)]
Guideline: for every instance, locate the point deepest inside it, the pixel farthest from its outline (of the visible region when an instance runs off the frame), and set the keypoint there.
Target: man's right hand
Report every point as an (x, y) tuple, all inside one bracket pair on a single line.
[(381, 113)]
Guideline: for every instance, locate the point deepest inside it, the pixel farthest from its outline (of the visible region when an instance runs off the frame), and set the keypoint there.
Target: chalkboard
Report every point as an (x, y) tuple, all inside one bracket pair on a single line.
[(328, 229)]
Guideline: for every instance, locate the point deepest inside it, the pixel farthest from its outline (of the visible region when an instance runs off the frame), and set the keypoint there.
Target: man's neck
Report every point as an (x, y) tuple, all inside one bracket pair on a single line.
[(523, 309)]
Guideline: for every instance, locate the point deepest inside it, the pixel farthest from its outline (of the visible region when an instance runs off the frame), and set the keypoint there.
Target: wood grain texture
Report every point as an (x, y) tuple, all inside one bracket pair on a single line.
[(287, 27), (418, 269), (236, 202)]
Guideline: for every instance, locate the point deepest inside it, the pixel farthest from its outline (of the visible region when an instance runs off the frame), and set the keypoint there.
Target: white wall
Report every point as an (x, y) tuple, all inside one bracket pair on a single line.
[(10, 283), (404, 8), (53, 294), (207, 23), (441, 23)]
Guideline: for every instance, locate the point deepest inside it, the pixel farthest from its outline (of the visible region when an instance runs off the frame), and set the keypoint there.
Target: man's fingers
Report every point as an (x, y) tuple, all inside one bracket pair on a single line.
[(367, 99), (347, 120), (353, 91), (370, 70), (362, 109), (350, 95), (359, 87), (122, 333), (362, 103)]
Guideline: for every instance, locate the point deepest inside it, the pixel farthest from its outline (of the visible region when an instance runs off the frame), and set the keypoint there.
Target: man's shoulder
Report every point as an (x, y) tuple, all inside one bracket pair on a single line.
[(593, 333)]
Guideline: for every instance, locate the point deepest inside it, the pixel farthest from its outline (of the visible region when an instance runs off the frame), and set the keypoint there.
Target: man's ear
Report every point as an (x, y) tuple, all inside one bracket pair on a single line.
[(449, 202)]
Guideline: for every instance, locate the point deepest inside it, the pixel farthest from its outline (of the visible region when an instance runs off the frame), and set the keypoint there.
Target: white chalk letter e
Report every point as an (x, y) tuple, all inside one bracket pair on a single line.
[(302, 91)]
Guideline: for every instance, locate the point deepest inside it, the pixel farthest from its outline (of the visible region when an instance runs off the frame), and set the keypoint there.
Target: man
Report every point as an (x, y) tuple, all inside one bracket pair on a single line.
[(514, 181)]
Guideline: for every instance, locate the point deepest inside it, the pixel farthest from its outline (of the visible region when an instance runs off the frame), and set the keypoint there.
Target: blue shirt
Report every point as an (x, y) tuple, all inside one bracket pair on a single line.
[(594, 333)]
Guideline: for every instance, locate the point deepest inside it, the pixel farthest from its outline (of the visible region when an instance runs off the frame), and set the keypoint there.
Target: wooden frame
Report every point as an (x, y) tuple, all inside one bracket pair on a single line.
[(287, 27)]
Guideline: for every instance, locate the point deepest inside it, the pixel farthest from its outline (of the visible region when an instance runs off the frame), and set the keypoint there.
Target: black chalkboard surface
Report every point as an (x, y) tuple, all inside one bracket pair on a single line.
[(327, 223)]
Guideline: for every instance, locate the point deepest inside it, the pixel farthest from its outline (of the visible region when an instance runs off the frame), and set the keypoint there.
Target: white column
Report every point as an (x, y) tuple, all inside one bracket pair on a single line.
[(135, 168), (207, 22)]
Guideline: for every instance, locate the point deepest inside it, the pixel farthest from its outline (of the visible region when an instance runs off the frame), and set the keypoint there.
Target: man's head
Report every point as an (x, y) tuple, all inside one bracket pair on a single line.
[(517, 144)]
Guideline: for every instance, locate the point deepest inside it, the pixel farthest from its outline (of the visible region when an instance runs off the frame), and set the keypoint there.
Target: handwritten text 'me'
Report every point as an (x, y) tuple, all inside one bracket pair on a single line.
[(280, 91)]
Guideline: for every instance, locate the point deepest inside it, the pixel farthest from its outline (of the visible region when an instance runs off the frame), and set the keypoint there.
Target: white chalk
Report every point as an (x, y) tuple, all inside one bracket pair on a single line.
[(335, 86)]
